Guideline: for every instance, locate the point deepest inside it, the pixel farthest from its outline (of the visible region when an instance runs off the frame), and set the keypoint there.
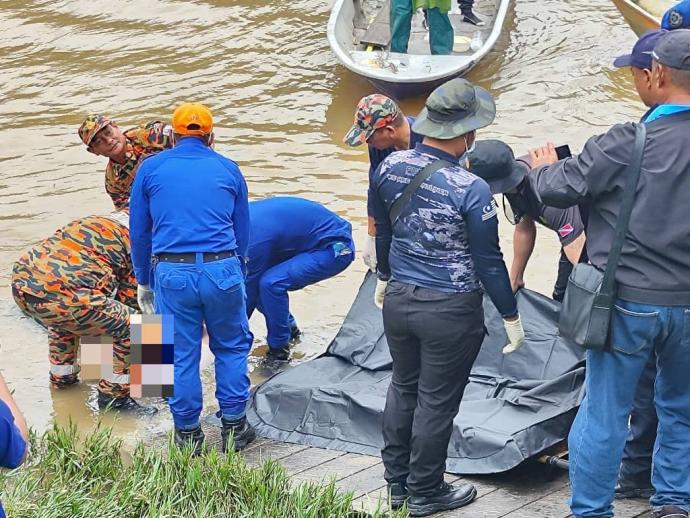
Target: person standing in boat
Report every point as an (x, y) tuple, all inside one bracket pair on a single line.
[(435, 253), (441, 32), (381, 124), (125, 151)]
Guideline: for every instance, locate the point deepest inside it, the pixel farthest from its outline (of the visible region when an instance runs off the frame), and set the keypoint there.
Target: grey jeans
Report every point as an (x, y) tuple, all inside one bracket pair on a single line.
[(434, 338)]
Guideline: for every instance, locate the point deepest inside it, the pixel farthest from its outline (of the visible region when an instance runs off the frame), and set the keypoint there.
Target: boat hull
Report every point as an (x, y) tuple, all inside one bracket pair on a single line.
[(399, 91), (639, 20)]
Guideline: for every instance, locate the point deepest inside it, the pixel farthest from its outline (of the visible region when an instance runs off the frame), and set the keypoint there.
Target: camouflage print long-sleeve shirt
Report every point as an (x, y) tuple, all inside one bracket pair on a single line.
[(141, 142), (86, 258)]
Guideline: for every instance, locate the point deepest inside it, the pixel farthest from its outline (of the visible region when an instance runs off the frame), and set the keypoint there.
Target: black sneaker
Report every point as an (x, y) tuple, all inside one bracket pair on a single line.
[(445, 498), (195, 437), (671, 511), (124, 404), (295, 333), (280, 354), (625, 491), (397, 493), (472, 18), (242, 432)]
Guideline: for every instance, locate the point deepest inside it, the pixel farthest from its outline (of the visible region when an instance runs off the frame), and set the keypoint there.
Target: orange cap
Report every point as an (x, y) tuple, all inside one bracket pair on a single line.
[(192, 119)]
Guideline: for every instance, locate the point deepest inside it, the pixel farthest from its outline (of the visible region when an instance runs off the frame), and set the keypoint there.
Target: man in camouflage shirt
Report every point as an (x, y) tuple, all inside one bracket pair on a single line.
[(125, 150), (79, 282)]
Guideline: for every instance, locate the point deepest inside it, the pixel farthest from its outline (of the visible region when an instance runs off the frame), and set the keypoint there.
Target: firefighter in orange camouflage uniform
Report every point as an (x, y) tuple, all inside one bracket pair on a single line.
[(79, 282), (125, 151)]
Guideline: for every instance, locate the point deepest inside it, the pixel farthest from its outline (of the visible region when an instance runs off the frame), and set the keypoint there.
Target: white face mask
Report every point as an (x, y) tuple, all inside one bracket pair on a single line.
[(465, 155)]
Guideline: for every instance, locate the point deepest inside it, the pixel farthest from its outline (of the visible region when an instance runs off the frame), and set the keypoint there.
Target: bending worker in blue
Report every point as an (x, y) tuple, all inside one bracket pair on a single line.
[(294, 243), (189, 209)]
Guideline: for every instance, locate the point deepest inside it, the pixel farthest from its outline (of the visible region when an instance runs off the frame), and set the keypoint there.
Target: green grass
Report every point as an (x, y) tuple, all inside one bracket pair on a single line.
[(68, 475)]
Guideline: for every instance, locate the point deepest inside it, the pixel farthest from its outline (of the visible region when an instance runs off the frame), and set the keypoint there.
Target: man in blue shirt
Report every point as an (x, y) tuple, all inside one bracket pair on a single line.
[(14, 433), (433, 258), (189, 209), (294, 243), (382, 125)]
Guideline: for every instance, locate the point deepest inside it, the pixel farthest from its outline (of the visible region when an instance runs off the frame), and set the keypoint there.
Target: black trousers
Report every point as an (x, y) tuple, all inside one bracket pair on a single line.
[(636, 469), (434, 338), (465, 5)]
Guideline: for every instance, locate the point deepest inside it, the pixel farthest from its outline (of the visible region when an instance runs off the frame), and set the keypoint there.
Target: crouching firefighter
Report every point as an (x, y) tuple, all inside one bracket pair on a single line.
[(76, 283)]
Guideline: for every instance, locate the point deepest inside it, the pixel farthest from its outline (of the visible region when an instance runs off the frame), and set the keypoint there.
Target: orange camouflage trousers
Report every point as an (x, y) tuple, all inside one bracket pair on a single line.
[(67, 323)]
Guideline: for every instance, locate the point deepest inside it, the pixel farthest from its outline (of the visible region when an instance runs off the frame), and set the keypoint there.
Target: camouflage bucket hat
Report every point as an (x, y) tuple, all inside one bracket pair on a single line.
[(454, 109), (373, 112), (92, 125)]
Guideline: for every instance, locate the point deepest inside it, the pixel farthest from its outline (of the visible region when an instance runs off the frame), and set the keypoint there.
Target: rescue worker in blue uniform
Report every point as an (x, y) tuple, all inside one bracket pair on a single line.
[(494, 162), (189, 208), (433, 260), (294, 243)]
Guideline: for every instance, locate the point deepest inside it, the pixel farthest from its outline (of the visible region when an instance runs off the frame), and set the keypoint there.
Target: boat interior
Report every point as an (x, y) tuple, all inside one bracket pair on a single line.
[(373, 31)]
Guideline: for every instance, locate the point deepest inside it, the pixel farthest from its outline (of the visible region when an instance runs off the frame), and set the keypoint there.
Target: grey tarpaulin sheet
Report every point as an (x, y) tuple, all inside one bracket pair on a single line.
[(514, 407)]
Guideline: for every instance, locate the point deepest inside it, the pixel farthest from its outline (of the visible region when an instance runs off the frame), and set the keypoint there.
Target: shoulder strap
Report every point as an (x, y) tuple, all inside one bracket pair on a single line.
[(632, 173), (399, 204)]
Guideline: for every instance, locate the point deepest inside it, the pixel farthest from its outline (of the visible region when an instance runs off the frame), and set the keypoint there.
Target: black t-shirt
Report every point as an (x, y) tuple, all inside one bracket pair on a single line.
[(567, 223)]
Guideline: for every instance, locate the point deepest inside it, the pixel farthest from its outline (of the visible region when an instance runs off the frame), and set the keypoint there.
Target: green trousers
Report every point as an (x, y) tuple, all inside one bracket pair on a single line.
[(441, 33)]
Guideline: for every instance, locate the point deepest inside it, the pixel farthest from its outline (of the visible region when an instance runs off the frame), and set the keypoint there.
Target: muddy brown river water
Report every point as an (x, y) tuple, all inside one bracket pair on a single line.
[(281, 105)]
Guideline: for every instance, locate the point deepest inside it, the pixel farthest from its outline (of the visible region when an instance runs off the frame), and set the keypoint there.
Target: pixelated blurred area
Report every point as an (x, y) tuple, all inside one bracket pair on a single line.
[(151, 356)]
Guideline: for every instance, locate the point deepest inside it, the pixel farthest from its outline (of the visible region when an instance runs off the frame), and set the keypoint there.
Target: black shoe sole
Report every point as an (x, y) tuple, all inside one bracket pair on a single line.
[(625, 494), (429, 509)]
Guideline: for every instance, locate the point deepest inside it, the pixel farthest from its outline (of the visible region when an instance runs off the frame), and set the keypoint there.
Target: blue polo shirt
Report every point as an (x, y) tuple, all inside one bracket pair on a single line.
[(187, 199), (12, 444), (376, 156)]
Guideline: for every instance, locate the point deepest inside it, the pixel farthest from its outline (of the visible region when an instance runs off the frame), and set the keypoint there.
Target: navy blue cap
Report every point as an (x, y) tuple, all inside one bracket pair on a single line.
[(677, 17), (673, 49), (641, 56)]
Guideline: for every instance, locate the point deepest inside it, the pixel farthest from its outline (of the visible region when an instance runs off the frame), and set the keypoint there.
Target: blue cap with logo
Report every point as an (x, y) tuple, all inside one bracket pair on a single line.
[(677, 17), (641, 55)]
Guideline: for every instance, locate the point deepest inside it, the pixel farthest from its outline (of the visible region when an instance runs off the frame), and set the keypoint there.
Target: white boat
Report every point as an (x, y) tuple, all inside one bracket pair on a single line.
[(359, 34)]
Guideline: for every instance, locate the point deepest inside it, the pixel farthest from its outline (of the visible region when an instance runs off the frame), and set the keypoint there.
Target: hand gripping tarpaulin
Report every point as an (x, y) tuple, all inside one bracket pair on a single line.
[(514, 407)]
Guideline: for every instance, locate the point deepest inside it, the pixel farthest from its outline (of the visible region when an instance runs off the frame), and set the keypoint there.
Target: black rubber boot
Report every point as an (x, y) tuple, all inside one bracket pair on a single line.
[(671, 511), (397, 492), (295, 333), (447, 497), (279, 354), (124, 404), (242, 432), (195, 437), (470, 17)]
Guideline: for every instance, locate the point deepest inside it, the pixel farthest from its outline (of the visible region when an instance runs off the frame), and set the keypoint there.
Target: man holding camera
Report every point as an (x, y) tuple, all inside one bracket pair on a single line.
[(652, 312)]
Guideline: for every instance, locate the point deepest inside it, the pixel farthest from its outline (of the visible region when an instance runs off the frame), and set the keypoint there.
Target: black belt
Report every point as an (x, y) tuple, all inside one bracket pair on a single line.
[(191, 257)]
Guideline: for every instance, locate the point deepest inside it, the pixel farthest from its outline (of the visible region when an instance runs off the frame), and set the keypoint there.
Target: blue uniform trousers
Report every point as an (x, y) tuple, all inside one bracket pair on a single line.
[(598, 434), (268, 291), (211, 293)]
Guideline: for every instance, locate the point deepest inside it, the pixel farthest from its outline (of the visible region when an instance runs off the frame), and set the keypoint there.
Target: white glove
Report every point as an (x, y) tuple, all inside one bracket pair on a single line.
[(145, 299), (516, 335), (380, 292), (369, 254)]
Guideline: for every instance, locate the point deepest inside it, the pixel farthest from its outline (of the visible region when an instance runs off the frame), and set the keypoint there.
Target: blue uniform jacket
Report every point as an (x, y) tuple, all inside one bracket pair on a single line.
[(447, 237), (187, 199), (285, 226), (12, 444)]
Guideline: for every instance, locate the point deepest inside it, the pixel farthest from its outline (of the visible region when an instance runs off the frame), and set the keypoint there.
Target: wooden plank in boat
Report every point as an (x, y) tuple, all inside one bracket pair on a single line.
[(379, 34)]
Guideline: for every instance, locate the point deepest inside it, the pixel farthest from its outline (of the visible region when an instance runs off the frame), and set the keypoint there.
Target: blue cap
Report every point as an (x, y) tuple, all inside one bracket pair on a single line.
[(677, 17), (641, 56)]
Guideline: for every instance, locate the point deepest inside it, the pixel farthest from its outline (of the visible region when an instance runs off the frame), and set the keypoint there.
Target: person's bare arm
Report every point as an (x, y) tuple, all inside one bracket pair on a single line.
[(19, 420), (524, 238), (573, 250), (371, 226)]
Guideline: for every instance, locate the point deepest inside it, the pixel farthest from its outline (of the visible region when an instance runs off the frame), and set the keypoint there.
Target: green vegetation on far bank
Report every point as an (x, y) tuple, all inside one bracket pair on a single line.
[(84, 477)]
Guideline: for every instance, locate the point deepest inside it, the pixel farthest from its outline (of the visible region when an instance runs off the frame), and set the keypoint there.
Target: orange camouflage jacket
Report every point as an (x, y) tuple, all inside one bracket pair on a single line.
[(87, 257), (141, 142)]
